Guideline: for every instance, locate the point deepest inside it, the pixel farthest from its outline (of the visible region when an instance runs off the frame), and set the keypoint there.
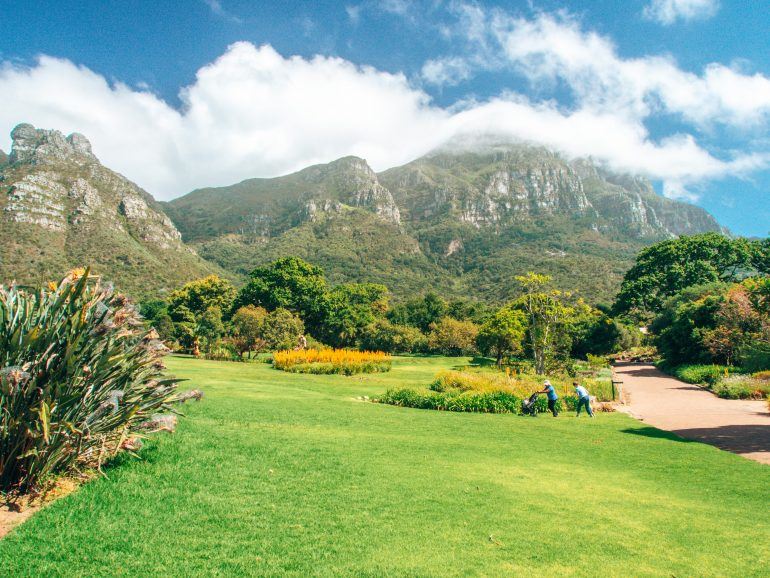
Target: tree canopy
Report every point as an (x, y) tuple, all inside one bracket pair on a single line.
[(664, 269)]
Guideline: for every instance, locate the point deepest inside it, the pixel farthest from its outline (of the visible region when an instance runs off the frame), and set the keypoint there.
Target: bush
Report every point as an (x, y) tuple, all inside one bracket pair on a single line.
[(79, 376), (708, 375), (755, 359), (597, 361), (521, 386), (451, 337), (468, 401), (742, 387), (386, 336), (223, 351), (492, 402)]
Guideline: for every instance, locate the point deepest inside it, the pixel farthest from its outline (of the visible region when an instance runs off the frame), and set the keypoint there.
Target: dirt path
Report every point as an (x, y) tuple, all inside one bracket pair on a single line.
[(742, 427)]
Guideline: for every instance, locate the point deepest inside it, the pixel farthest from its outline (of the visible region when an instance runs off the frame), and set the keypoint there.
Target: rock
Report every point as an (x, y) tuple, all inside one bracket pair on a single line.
[(33, 145)]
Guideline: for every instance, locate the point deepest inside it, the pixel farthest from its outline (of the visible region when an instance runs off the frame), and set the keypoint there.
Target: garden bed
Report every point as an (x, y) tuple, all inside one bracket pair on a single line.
[(332, 361), (487, 392)]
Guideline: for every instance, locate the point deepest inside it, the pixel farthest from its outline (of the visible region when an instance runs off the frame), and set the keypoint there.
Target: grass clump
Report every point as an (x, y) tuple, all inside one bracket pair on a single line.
[(332, 361)]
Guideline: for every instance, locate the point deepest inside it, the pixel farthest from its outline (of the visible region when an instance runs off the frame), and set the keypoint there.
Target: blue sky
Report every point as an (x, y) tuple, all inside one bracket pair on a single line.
[(178, 95)]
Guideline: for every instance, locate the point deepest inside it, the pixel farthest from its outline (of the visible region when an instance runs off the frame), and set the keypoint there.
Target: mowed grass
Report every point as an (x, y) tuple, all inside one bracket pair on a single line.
[(277, 474)]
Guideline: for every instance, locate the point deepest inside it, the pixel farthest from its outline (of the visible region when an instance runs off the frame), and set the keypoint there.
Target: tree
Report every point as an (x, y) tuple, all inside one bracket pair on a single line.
[(549, 316), (666, 268), (247, 327), (502, 334), (382, 335), (452, 337), (199, 295), (420, 313), (210, 327), (289, 283), (281, 329), (349, 309)]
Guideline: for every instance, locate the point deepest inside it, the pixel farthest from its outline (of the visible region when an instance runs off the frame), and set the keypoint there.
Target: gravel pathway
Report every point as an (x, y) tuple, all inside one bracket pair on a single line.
[(738, 426)]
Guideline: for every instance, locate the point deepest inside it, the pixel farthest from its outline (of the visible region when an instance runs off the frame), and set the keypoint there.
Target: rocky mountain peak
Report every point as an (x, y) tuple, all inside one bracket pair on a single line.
[(35, 145), (56, 182)]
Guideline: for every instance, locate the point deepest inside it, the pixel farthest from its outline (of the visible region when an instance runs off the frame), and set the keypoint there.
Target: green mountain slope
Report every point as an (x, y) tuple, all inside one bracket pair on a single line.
[(60, 208), (458, 221)]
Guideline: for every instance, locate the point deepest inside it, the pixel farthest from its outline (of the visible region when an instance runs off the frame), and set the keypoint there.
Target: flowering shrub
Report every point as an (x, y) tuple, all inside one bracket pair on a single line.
[(327, 361), (79, 375)]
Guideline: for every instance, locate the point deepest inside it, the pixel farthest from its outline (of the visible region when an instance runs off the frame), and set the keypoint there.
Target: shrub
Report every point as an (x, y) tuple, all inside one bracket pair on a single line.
[(383, 335), (522, 385), (708, 375), (490, 402), (597, 361), (223, 351), (755, 358), (468, 401), (79, 376), (327, 361), (451, 337), (742, 387)]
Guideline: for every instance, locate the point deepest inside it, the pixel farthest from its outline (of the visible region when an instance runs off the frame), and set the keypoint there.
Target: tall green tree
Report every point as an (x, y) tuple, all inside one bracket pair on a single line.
[(349, 309), (289, 283), (503, 333), (421, 312), (549, 316), (281, 329), (247, 329), (199, 295), (666, 268)]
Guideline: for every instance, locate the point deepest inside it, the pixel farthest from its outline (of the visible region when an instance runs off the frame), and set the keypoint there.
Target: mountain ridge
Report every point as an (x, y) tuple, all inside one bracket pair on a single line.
[(61, 208), (461, 222)]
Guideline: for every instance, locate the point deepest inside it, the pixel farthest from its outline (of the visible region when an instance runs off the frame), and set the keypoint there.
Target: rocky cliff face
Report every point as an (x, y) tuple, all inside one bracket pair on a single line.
[(505, 185), (62, 208)]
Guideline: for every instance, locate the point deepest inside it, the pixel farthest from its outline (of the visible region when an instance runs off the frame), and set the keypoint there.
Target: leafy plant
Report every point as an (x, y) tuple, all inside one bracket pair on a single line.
[(79, 376)]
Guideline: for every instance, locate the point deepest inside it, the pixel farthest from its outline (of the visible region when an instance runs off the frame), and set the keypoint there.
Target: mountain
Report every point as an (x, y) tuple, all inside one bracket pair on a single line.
[(60, 209), (459, 221)]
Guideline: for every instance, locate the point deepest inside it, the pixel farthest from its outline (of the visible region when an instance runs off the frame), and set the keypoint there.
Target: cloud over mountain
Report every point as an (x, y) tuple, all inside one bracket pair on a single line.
[(254, 112)]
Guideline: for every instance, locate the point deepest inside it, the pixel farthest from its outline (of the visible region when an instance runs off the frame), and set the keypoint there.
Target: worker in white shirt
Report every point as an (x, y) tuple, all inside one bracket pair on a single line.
[(583, 399)]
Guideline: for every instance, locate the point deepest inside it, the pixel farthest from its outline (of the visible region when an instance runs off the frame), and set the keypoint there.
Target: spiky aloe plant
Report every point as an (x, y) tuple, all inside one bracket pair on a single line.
[(78, 374)]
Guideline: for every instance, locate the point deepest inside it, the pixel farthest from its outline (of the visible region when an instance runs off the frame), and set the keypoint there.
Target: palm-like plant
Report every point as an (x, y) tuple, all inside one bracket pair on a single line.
[(79, 373)]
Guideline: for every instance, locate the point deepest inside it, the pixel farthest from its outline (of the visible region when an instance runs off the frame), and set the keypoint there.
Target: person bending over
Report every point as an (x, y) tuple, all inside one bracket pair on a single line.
[(583, 399), (550, 393)]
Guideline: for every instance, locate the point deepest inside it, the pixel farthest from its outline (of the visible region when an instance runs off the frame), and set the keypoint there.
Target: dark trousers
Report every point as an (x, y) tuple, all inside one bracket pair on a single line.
[(584, 401), (552, 407)]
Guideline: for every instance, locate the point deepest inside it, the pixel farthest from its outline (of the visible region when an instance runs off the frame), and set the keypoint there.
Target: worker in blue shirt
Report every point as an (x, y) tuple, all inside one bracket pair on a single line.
[(550, 393), (583, 399)]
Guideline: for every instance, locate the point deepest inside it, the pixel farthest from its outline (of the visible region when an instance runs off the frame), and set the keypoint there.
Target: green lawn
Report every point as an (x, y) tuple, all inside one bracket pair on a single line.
[(282, 474)]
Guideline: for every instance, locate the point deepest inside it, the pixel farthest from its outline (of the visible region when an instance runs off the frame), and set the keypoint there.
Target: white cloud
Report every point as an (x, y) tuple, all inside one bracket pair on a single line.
[(354, 14), (217, 8), (667, 12), (254, 112), (446, 71)]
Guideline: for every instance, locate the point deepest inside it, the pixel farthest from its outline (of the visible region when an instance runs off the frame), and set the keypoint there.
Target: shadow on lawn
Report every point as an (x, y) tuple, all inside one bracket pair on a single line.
[(739, 439)]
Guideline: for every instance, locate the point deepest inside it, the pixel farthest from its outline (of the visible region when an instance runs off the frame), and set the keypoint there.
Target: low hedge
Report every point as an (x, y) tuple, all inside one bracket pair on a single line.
[(708, 375), (468, 401)]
